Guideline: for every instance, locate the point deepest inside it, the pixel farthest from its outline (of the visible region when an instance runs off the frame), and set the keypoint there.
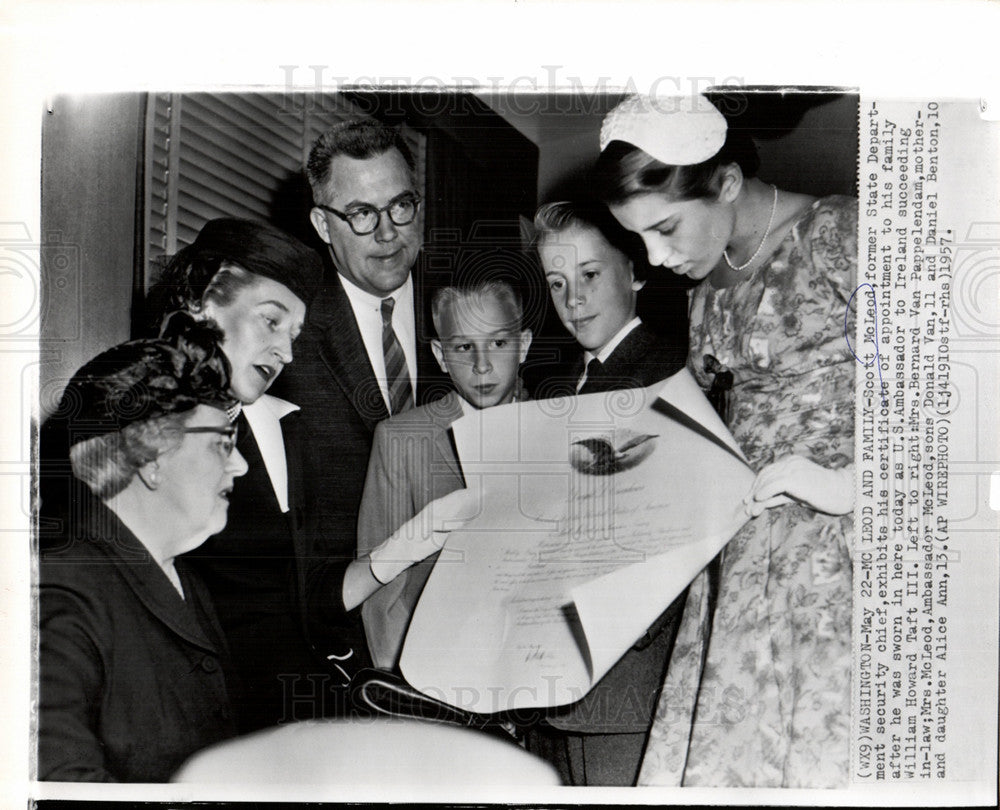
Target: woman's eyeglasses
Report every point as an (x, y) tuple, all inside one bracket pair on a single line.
[(365, 219), (228, 443)]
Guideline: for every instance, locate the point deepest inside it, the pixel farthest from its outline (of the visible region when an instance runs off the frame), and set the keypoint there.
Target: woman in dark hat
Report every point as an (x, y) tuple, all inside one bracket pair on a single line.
[(255, 282), (767, 701), (132, 663)]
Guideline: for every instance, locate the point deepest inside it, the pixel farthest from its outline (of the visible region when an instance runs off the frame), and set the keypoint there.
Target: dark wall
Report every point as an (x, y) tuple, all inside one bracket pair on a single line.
[(90, 159), (809, 143), (481, 172)]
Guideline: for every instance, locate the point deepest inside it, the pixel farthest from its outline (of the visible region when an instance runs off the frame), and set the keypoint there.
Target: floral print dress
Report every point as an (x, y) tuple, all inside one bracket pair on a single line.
[(762, 696)]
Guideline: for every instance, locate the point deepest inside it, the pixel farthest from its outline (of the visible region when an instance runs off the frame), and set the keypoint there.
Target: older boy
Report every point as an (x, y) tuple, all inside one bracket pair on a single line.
[(591, 275), (481, 345), (594, 285)]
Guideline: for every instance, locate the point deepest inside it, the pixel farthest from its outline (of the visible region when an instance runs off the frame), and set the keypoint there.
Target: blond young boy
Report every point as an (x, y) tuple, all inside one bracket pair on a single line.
[(481, 344)]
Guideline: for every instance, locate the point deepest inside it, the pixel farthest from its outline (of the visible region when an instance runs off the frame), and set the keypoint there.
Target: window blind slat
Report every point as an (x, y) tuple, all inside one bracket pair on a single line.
[(194, 198), (229, 154), (204, 148), (157, 192), (235, 140), (273, 137)]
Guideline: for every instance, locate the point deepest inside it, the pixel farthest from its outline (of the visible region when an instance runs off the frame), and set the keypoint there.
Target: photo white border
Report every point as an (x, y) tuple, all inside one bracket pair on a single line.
[(896, 49)]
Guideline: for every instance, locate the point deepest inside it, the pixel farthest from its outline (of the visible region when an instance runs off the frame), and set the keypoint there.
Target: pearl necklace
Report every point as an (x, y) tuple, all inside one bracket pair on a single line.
[(763, 239)]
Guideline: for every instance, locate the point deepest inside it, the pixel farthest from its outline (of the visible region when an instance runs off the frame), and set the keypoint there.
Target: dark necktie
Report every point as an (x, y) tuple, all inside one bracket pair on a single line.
[(396, 376), (593, 367), (242, 430)]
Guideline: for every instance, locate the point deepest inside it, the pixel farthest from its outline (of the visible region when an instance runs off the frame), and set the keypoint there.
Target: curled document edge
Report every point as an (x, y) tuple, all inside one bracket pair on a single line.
[(652, 585), (683, 393), (471, 649)]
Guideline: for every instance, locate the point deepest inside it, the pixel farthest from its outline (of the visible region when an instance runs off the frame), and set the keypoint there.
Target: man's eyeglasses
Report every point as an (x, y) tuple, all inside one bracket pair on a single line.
[(365, 219), (228, 443)]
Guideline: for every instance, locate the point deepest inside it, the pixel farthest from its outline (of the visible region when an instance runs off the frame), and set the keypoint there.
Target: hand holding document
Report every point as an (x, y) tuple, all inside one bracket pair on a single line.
[(596, 512), (421, 535)]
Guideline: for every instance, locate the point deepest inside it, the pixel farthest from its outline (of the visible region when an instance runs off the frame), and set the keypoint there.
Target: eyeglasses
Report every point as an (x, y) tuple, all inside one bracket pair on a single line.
[(227, 445), (365, 219)]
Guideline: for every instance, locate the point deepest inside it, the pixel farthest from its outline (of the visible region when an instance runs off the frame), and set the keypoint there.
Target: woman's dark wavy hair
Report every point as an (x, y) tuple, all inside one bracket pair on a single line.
[(623, 171), (129, 404)]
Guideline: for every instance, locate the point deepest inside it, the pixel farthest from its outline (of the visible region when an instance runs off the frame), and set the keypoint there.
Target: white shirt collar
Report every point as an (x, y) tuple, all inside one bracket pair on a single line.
[(468, 407), (367, 309), (363, 299), (264, 417), (276, 405), (612, 344)]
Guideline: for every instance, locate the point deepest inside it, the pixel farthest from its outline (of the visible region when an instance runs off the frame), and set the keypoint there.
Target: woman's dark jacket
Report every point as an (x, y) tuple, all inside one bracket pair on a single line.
[(132, 678)]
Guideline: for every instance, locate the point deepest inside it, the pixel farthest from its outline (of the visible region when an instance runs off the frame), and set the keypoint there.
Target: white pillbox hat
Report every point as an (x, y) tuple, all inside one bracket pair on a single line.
[(676, 130)]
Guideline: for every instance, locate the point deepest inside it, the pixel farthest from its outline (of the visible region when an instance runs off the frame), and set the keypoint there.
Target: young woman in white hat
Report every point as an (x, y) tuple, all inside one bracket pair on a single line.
[(757, 693)]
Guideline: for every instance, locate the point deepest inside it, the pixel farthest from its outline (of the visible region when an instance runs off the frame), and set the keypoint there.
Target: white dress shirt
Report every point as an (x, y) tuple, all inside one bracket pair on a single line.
[(367, 310)]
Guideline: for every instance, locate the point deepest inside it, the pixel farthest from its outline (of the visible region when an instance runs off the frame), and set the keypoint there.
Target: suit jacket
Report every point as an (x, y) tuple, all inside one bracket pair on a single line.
[(624, 699), (132, 676), (641, 359), (413, 462), (333, 382), (256, 570)]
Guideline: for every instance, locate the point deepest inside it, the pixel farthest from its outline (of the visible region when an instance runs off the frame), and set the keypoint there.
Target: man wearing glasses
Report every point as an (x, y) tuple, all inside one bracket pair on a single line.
[(360, 358)]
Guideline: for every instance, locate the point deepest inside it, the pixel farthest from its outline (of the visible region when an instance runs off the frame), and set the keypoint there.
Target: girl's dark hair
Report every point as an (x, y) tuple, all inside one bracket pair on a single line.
[(556, 217), (624, 170)]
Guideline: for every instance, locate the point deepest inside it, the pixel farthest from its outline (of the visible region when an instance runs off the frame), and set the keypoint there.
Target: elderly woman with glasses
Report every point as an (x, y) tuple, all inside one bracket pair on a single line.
[(132, 664)]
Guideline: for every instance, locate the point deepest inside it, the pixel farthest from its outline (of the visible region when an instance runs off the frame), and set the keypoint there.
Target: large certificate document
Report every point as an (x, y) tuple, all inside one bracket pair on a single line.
[(595, 513)]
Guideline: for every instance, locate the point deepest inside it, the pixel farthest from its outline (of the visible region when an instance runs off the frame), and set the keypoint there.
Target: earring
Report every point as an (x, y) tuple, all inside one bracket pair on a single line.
[(148, 475)]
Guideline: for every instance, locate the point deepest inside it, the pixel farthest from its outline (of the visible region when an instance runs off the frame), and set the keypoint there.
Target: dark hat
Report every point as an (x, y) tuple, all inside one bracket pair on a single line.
[(257, 247), (145, 379)]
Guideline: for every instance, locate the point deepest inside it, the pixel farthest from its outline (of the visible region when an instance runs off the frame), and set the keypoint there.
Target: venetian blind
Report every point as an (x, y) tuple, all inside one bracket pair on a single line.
[(227, 154)]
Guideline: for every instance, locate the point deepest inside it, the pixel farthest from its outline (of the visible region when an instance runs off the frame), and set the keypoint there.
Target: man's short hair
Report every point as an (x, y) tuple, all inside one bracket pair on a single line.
[(361, 139), (446, 298)]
